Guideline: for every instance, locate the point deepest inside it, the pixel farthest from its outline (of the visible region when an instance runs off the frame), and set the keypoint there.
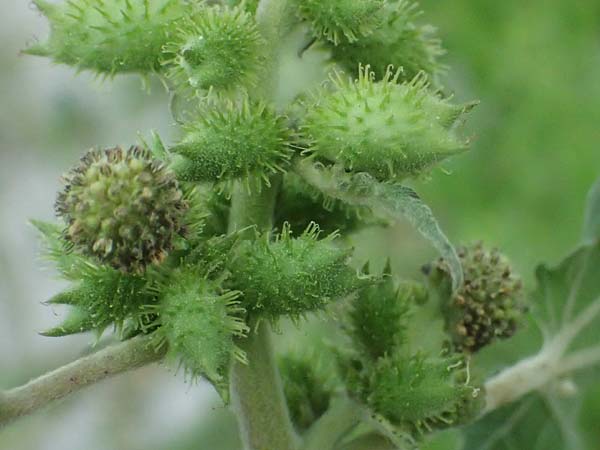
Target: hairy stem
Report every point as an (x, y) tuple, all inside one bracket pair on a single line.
[(83, 372), (257, 396), (514, 382), (256, 391), (537, 371), (342, 416)]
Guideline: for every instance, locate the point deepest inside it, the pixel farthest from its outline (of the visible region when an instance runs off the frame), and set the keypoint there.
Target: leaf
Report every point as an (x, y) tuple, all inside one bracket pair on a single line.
[(390, 201), (536, 422), (565, 291), (591, 223)]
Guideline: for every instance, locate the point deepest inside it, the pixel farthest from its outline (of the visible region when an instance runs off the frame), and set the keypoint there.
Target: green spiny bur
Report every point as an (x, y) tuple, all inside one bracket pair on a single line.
[(305, 388), (342, 20), (103, 297), (387, 129), (199, 321), (292, 276), (488, 306), (378, 317), (216, 47), (122, 207), (109, 36), (400, 41), (232, 140), (421, 393)]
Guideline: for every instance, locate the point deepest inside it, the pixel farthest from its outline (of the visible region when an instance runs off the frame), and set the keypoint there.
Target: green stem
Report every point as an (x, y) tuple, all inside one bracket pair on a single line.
[(253, 209), (325, 434), (83, 372), (257, 396)]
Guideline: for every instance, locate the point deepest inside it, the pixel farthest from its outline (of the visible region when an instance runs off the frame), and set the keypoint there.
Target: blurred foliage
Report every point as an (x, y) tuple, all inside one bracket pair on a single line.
[(535, 67)]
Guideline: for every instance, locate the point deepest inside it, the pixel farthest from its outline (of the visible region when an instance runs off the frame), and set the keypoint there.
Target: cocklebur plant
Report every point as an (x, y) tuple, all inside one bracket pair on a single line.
[(193, 250)]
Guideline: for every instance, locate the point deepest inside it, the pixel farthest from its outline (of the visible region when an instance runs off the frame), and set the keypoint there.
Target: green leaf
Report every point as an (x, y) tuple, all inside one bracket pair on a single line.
[(536, 422), (567, 290), (389, 201), (591, 224)]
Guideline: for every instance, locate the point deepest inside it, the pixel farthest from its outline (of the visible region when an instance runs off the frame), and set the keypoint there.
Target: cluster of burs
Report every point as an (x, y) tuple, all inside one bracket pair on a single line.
[(146, 242)]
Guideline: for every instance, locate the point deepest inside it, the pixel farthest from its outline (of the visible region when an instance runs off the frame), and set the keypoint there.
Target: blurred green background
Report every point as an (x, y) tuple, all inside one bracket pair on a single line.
[(534, 65)]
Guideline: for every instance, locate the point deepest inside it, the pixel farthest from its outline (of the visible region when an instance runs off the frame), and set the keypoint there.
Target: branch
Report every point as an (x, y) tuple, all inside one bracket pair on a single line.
[(514, 382), (83, 372), (342, 416)]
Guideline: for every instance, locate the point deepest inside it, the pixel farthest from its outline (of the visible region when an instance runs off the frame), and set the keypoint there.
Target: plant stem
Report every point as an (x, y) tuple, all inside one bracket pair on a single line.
[(253, 209), (256, 391), (83, 372), (340, 418), (257, 396), (516, 381), (536, 371)]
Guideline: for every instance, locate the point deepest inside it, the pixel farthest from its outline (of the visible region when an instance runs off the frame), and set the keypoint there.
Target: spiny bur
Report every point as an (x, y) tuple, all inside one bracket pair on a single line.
[(216, 47), (342, 20), (231, 140), (387, 129), (488, 306), (400, 41), (109, 36), (378, 317), (122, 207), (292, 276), (99, 295), (103, 297), (421, 393), (199, 320)]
